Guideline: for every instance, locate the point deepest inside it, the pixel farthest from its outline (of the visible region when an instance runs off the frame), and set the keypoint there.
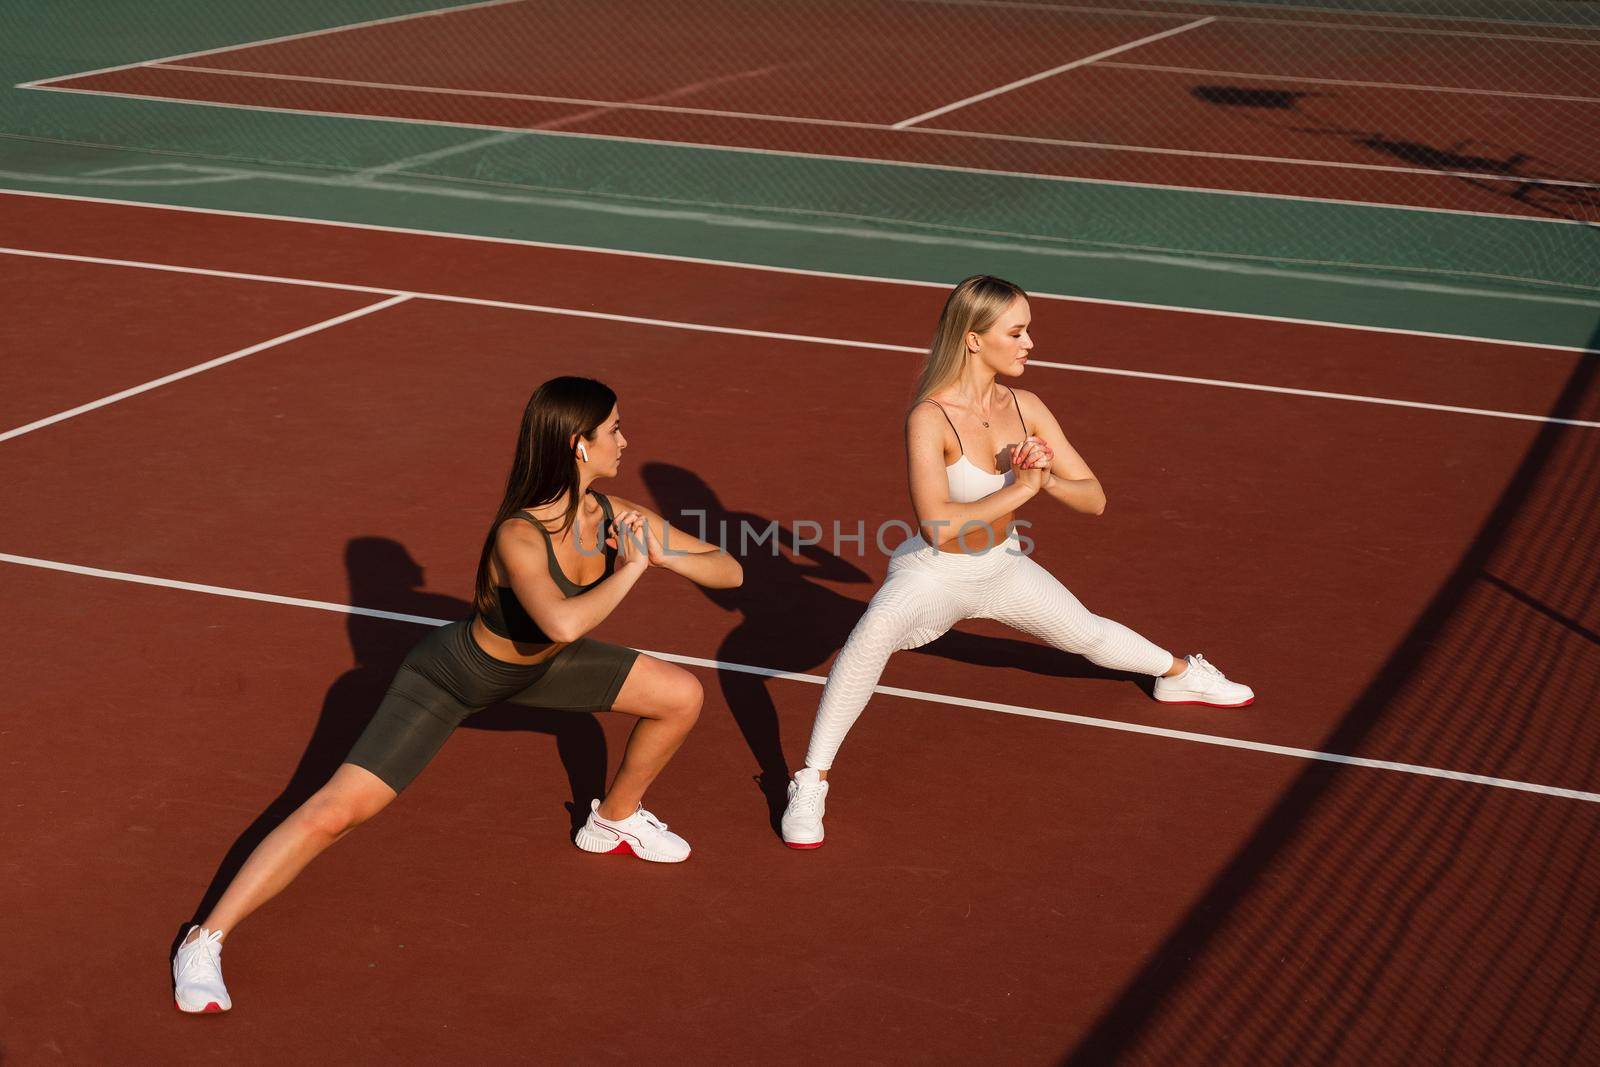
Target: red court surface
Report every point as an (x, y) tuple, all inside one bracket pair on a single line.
[(1351, 112), (101, 330), (1403, 585)]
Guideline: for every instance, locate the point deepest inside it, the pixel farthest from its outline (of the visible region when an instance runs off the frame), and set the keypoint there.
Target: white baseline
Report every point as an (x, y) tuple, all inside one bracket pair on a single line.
[(703, 327), (814, 679)]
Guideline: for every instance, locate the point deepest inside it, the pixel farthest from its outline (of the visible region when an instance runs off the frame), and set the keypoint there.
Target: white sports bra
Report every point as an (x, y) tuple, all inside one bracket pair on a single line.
[(968, 481)]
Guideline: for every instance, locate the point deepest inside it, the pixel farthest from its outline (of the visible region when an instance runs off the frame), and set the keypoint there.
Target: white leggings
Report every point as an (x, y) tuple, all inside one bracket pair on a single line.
[(929, 591)]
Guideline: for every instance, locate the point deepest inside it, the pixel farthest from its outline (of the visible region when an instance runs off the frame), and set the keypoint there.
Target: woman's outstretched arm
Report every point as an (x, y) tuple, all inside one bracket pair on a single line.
[(1070, 480), (675, 550)]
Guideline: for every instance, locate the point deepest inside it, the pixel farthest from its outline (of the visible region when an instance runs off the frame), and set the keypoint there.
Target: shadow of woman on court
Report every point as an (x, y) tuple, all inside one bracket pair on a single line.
[(384, 577), (790, 622)]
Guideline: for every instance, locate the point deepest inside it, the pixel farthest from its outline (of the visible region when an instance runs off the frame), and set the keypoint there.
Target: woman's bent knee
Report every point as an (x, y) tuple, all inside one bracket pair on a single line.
[(353, 796), (688, 697), (660, 690)]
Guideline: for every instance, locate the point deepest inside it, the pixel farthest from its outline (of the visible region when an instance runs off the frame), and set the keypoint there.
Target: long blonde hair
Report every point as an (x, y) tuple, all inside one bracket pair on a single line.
[(974, 305)]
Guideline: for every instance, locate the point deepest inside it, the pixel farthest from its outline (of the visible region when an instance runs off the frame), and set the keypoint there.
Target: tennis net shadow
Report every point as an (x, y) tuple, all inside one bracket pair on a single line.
[(1390, 918)]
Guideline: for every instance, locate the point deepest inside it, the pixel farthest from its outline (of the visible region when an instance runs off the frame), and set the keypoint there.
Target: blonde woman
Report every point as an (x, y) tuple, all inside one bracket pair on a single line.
[(977, 451)]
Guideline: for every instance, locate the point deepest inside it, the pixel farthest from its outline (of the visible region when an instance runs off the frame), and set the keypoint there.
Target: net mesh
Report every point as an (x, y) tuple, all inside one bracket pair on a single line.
[(1396, 919), (1245, 136)]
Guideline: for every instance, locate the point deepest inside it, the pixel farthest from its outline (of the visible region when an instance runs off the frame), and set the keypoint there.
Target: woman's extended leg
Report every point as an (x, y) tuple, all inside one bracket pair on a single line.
[(1029, 598), (352, 796), (909, 610)]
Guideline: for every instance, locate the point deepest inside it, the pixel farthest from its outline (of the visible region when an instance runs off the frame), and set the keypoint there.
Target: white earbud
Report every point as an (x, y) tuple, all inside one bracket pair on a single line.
[(583, 453)]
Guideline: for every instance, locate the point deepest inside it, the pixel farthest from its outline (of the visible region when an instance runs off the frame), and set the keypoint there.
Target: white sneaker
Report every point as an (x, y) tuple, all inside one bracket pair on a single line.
[(802, 819), (197, 974), (641, 834), (1202, 683)]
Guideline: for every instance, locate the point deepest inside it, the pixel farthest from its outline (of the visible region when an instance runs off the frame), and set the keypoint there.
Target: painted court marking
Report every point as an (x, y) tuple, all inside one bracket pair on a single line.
[(447, 10), (1035, 5), (906, 126), (399, 295), (198, 368), (1001, 4), (871, 160), (1052, 72), (667, 257), (167, 62), (814, 679)]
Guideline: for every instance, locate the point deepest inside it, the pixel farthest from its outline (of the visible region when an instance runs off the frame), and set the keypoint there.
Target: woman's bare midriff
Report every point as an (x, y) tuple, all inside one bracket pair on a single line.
[(981, 537), (509, 651)]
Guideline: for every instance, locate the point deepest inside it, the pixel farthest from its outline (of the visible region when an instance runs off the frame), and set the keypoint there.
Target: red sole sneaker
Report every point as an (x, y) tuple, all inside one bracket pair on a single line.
[(211, 1008)]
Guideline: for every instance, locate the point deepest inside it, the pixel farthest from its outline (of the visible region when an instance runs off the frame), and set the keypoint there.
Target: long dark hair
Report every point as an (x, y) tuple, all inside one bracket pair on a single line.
[(545, 465)]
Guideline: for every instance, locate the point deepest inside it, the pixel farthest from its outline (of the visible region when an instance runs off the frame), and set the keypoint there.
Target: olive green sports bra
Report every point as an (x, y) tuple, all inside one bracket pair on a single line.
[(509, 619)]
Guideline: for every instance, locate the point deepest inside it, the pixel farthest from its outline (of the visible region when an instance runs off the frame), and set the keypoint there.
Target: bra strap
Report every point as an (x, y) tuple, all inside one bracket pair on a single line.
[(531, 521), (549, 542), (946, 414), (1019, 413), (607, 528)]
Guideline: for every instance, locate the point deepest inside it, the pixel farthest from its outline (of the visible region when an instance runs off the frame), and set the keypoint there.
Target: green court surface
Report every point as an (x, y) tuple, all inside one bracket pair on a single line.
[(1526, 278)]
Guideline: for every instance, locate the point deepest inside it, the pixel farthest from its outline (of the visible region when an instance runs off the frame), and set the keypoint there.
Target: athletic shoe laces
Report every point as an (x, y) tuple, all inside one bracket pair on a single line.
[(202, 959), (651, 819), (1211, 673), (806, 799)]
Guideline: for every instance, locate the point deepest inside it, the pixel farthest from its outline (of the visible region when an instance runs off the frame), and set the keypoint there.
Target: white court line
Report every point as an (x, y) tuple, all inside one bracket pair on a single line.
[(304, 331), (813, 679), (665, 257), (1365, 85), (1419, 31), (42, 82), (876, 161), (765, 335), (1031, 5), (272, 40), (842, 224), (395, 166), (926, 131), (398, 165), (696, 261), (985, 241), (1319, 394), (1415, 16), (1052, 72)]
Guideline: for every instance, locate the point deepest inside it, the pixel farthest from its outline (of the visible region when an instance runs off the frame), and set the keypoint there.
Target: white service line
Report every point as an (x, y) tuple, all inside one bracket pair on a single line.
[(1036, 5), (602, 106), (1053, 71), (814, 679), (1253, 76), (198, 368), (1547, 220), (271, 40), (766, 335), (1317, 394), (667, 257)]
